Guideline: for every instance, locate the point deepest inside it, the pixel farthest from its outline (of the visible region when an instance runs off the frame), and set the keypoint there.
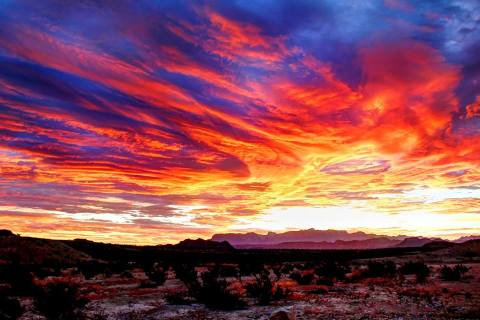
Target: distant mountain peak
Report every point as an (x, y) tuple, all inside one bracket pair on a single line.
[(416, 241), (252, 239), (467, 238)]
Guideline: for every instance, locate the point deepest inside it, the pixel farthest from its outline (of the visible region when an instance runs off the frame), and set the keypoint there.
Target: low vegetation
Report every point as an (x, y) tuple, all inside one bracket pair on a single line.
[(156, 274), (302, 278), (417, 268), (10, 308), (455, 273), (60, 300), (215, 293), (264, 290), (59, 292)]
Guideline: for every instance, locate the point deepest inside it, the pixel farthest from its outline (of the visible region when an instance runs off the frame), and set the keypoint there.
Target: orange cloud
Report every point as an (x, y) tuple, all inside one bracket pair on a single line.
[(220, 126)]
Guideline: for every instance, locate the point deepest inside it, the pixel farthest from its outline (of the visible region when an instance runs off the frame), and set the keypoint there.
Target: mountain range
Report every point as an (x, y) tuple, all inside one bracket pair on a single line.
[(27, 250), (323, 239)]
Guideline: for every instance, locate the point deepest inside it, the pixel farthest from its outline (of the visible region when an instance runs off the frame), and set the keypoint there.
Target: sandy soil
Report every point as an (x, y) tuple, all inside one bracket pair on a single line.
[(374, 298)]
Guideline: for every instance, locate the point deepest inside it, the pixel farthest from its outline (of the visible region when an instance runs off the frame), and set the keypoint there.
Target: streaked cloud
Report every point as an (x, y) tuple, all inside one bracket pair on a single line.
[(136, 120)]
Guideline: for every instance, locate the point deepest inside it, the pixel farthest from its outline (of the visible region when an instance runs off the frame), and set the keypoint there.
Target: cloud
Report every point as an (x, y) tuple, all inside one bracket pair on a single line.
[(137, 121), (358, 166)]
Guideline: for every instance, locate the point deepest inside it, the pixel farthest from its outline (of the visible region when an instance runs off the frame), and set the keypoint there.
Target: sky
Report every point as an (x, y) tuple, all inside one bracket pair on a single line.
[(153, 121)]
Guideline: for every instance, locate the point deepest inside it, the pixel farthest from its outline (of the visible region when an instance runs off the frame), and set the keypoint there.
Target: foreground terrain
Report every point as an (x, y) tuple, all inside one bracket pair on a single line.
[(212, 280)]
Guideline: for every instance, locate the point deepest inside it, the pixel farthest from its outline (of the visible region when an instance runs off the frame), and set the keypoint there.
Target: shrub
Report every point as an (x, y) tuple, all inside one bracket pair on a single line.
[(419, 269), (332, 270), (264, 290), (20, 280), (453, 274), (277, 271), (116, 267), (227, 270), (287, 268), (214, 293), (126, 274), (177, 298), (320, 290), (59, 301), (247, 269), (325, 281), (380, 269), (188, 275), (302, 279), (156, 275), (211, 291), (306, 266), (147, 284), (10, 308), (90, 269), (41, 272)]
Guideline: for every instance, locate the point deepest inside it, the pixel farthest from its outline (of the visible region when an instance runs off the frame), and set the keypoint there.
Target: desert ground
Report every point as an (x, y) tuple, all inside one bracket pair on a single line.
[(438, 283)]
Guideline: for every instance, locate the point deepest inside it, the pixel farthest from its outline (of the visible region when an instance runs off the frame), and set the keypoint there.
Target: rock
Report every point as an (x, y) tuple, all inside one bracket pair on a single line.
[(282, 314)]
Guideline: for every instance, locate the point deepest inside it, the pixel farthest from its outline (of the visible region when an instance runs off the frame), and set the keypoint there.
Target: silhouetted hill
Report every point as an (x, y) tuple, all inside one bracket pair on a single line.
[(201, 244), (26, 250), (255, 240), (470, 248), (6, 233), (373, 243), (467, 238), (416, 242), (105, 251), (439, 244)]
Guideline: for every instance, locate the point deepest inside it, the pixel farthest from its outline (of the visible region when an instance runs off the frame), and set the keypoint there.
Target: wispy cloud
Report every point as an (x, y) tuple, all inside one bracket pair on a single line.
[(138, 120)]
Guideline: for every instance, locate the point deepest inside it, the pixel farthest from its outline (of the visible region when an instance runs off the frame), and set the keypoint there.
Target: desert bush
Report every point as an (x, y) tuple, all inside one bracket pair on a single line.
[(332, 270), (418, 268), (116, 267), (10, 308), (214, 293), (287, 268), (281, 269), (320, 290), (211, 290), (156, 275), (188, 275), (247, 269), (325, 281), (307, 266), (302, 278), (147, 284), (177, 298), (43, 271), (277, 271), (453, 274), (60, 301), (380, 269), (127, 274), (21, 280), (92, 268), (228, 270), (264, 290)]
